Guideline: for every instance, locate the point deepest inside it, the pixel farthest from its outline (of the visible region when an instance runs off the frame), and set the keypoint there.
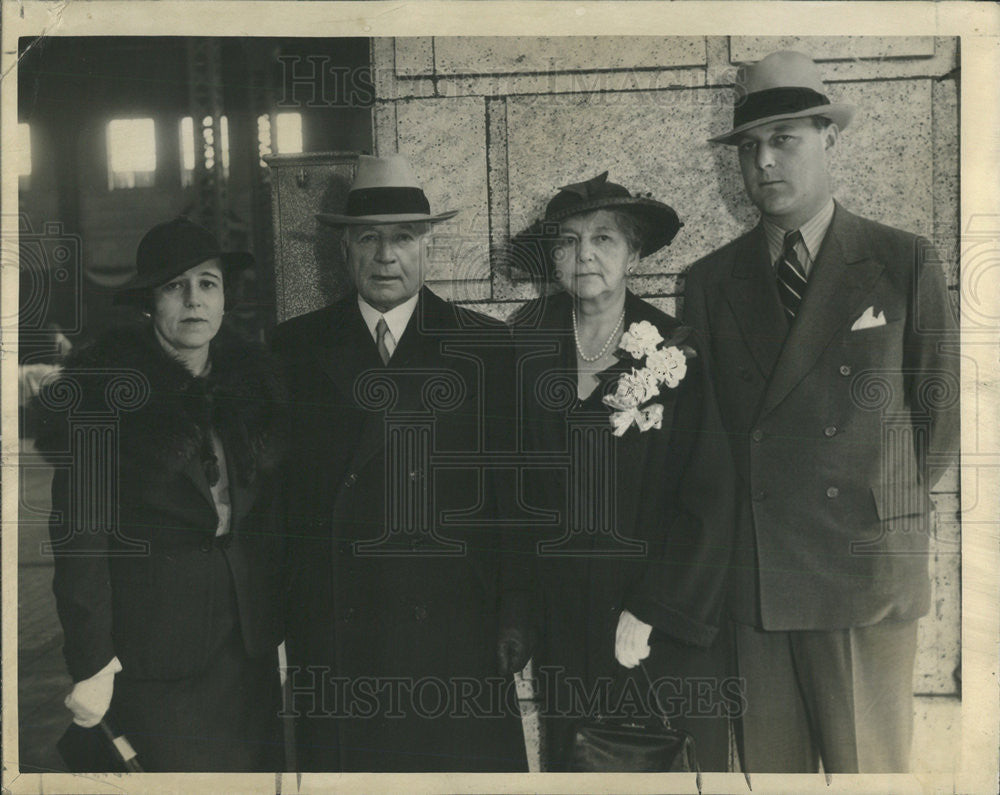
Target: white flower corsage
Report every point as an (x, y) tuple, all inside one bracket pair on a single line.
[(656, 366)]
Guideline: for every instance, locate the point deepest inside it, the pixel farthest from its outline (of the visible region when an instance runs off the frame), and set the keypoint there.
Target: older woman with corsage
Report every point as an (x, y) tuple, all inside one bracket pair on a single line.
[(629, 553), (165, 435)]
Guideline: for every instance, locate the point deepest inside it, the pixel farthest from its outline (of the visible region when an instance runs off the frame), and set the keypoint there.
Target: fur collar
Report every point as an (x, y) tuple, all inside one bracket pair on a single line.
[(164, 412)]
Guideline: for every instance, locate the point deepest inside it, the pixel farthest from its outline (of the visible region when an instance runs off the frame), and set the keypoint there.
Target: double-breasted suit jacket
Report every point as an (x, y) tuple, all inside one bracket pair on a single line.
[(838, 432), (393, 559)]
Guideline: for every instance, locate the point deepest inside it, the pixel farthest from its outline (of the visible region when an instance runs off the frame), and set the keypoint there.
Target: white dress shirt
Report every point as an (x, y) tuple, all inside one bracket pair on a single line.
[(396, 319), (813, 231)]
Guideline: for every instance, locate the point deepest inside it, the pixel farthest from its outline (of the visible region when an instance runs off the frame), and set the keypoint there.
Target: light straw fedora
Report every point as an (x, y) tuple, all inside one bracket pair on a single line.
[(384, 191), (784, 85)]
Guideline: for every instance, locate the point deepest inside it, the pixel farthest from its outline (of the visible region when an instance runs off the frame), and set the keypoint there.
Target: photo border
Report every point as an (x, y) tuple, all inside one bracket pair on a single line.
[(979, 29)]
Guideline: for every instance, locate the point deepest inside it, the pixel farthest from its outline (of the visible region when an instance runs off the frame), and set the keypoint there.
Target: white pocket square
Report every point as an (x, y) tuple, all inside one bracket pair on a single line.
[(869, 320)]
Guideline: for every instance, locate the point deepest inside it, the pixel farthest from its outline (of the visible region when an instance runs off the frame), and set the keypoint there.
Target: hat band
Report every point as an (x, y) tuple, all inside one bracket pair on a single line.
[(387, 201), (775, 102)]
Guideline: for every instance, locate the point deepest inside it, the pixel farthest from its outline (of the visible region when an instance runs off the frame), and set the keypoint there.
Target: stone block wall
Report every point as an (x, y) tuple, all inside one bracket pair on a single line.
[(495, 125)]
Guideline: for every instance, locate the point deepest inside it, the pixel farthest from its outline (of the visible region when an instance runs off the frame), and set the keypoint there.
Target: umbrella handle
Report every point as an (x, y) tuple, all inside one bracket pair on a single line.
[(123, 747)]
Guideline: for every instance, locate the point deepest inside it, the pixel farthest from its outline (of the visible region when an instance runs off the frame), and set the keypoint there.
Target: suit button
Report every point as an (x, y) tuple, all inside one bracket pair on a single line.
[(757, 435), (845, 369), (833, 492), (350, 480), (830, 430), (206, 545), (759, 496), (420, 613)]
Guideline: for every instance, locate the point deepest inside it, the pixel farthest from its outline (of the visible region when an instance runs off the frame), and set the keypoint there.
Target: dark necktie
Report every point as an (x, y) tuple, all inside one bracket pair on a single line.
[(791, 276), (381, 329)]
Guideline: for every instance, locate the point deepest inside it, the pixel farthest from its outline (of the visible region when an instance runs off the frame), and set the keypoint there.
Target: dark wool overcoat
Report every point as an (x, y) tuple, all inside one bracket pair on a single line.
[(640, 522), (394, 548), (125, 426)]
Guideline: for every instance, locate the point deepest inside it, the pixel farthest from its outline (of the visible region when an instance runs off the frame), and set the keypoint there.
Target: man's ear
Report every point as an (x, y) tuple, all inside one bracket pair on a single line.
[(830, 136)]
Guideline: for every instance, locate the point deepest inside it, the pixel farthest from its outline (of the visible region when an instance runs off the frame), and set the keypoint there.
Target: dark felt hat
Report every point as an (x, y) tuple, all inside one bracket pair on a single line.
[(658, 220), (169, 249)]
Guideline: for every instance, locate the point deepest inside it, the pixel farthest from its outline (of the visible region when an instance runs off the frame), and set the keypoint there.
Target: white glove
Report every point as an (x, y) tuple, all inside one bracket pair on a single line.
[(282, 663), (90, 698), (31, 377), (631, 640)]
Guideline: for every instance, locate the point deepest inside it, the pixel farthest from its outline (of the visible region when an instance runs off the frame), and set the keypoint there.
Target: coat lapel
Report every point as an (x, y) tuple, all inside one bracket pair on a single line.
[(842, 277), (422, 337), (194, 471), (348, 353), (418, 344), (240, 498), (753, 297), (346, 348)]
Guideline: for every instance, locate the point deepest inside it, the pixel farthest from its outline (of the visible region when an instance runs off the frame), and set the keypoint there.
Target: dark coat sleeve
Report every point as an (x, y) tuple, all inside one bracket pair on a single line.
[(519, 576), (82, 586), (81, 578), (931, 363), (518, 600), (689, 497)]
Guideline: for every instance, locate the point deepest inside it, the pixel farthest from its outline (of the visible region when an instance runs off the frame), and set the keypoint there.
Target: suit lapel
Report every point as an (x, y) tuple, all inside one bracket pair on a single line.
[(842, 277), (753, 297)]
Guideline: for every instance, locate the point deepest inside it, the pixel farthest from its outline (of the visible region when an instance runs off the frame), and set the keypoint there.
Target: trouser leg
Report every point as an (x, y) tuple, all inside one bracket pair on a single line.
[(858, 686), (774, 727)]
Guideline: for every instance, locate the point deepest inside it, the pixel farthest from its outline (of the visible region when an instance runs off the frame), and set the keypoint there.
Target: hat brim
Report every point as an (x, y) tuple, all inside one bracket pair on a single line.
[(661, 221), (130, 290), (335, 219), (527, 251), (838, 112)]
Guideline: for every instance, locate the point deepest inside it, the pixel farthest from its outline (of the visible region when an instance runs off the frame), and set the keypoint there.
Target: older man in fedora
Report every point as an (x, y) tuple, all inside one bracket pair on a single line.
[(400, 401), (828, 335)]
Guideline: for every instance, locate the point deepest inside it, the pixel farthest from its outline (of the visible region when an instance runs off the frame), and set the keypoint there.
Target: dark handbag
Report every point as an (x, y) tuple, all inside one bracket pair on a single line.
[(628, 746)]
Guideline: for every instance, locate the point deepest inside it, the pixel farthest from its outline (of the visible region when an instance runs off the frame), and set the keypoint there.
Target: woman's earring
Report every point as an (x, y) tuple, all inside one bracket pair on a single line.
[(146, 315)]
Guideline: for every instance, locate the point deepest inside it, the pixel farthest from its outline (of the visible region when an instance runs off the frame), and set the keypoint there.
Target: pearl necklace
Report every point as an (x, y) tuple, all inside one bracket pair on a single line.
[(607, 344)]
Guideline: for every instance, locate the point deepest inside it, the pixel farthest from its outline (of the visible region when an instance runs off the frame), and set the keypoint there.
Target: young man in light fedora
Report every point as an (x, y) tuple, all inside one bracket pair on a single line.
[(393, 558), (827, 333)]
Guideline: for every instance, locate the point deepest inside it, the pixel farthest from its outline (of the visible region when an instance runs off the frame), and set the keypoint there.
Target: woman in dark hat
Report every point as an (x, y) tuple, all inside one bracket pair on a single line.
[(629, 555), (164, 436)]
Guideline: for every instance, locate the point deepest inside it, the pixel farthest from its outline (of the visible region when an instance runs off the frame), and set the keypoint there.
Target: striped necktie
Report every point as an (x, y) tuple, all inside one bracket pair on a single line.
[(791, 276), (381, 329)]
